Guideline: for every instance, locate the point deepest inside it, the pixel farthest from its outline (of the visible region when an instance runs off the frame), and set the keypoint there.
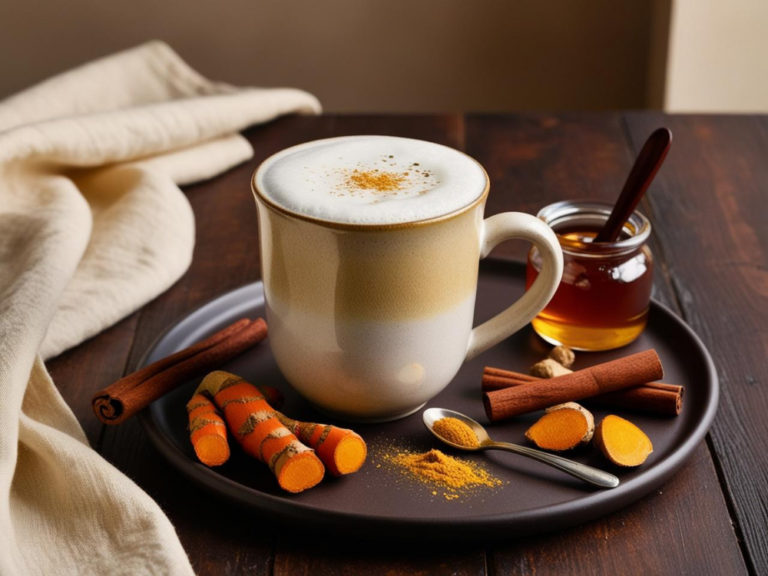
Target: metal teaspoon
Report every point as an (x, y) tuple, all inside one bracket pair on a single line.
[(581, 471)]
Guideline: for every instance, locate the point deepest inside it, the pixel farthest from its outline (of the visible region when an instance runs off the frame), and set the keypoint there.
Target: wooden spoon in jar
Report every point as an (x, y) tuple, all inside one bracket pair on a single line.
[(644, 170)]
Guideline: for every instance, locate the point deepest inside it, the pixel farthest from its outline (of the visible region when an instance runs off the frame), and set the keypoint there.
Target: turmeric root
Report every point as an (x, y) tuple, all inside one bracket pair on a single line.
[(341, 450), (207, 431), (255, 426), (622, 442), (562, 427)]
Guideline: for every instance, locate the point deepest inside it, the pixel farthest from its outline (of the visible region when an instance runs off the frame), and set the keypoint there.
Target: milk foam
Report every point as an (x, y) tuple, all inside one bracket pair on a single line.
[(371, 180)]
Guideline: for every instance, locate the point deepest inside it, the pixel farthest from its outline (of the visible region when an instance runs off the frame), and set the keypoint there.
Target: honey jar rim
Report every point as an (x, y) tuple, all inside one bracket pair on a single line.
[(573, 211)]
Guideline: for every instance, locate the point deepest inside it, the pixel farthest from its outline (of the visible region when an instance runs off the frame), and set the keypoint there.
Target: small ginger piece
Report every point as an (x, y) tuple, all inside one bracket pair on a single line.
[(557, 363), (562, 427), (622, 442), (548, 368), (563, 356)]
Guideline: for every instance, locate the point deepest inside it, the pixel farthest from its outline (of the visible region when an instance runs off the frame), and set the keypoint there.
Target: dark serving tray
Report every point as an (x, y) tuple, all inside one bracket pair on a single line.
[(376, 502)]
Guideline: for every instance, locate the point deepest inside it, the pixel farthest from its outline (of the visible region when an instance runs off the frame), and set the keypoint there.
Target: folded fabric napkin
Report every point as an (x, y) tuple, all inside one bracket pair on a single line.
[(93, 226)]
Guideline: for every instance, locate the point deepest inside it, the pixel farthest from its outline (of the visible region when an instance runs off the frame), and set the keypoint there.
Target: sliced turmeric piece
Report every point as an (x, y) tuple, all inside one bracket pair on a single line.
[(562, 427), (253, 423), (342, 451), (622, 442), (207, 431)]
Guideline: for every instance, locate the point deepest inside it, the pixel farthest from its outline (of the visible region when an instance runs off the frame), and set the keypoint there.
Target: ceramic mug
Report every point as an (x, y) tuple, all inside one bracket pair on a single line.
[(369, 322)]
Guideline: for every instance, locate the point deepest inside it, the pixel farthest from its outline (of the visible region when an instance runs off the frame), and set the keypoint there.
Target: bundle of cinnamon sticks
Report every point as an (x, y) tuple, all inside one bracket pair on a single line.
[(130, 394), (626, 383)]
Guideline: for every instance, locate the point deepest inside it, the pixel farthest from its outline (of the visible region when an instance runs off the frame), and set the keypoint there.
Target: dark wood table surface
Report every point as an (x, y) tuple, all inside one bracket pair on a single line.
[(709, 210)]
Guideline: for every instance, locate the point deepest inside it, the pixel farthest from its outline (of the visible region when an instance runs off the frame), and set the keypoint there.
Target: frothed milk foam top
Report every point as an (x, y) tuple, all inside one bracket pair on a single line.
[(371, 180)]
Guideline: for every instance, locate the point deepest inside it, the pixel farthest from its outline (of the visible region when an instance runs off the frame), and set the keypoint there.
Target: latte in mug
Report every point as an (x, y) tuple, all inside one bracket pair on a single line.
[(372, 180), (370, 248)]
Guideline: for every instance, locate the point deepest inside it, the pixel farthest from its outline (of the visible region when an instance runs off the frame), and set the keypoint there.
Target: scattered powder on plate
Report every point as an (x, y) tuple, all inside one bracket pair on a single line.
[(440, 473)]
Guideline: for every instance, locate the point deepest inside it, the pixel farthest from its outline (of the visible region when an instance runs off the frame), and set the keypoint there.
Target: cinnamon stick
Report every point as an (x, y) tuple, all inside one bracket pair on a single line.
[(130, 394), (652, 397), (608, 377), (498, 379)]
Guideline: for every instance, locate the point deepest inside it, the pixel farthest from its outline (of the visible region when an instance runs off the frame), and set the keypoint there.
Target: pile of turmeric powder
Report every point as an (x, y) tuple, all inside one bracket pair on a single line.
[(456, 432), (453, 477)]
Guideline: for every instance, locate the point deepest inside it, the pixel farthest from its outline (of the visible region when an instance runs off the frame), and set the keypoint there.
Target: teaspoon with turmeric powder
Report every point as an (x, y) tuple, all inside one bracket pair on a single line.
[(461, 432)]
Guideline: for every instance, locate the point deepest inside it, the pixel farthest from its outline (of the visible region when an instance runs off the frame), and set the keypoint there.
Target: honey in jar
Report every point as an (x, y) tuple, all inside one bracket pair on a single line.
[(604, 296)]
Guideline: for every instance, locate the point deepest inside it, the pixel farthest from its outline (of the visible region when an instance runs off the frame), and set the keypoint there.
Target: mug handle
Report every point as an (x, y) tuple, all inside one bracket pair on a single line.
[(507, 226)]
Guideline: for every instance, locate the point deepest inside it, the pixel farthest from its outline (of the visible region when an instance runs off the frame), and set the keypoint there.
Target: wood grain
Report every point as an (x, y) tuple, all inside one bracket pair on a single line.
[(533, 160), (661, 534), (447, 129), (710, 211), (86, 369), (330, 557)]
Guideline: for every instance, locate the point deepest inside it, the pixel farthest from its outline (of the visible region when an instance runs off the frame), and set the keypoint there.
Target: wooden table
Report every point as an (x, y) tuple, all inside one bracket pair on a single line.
[(709, 209)]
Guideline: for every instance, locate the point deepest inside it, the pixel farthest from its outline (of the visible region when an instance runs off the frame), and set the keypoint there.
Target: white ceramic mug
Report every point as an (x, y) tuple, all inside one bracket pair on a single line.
[(369, 322)]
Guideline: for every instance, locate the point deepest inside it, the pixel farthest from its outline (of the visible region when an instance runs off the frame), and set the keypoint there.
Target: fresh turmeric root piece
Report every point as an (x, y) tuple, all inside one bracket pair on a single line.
[(342, 451), (207, 431), (254, 424), (562, 427), (622, 442)]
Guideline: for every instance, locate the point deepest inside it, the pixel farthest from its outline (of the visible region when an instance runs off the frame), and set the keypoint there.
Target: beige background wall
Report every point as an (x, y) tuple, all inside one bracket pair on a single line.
[(718, 56), (361, 55)]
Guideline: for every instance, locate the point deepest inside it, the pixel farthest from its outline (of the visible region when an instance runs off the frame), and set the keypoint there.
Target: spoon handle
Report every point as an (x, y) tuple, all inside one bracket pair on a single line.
[(640, 177), (581, 471)]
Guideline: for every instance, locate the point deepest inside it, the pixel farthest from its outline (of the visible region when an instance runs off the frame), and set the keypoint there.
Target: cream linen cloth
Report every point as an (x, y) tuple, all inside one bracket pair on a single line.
[(93, 226)]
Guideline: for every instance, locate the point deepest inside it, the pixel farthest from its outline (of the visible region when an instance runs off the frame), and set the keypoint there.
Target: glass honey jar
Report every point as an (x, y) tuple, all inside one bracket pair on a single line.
[(604, 296)]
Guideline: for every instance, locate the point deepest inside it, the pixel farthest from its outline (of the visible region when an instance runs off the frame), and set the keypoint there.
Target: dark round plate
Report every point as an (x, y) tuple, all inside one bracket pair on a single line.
[(377, 502)]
